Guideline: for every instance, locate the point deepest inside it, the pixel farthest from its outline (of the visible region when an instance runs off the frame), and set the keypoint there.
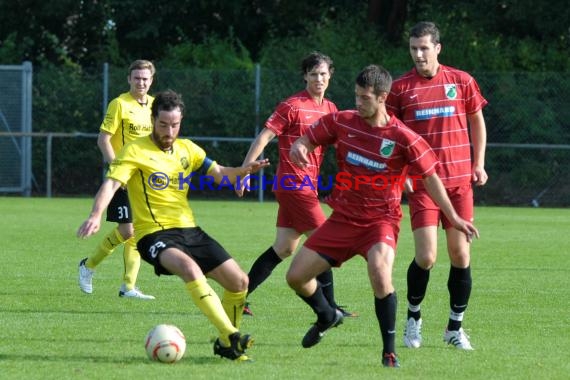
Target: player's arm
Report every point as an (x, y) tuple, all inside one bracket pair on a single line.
[(257, 146), (255, 150), (479, 141), (409, 185), (104, 144), (300, 151), (220, 172), (102, 200), (436, 190)]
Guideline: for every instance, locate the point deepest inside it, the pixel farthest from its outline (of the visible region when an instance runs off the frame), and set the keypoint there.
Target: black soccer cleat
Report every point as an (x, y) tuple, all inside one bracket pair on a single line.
[(317, 330), (236, 351)]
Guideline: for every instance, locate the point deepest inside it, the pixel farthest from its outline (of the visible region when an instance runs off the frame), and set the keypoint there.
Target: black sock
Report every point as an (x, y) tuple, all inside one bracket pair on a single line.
[(386, 314), (325, 279), (418, 279), (459, 285), (320, 305), (262, 268)]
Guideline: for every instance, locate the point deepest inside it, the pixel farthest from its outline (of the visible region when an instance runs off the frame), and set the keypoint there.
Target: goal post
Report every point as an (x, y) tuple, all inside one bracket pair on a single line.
[(16, 128)]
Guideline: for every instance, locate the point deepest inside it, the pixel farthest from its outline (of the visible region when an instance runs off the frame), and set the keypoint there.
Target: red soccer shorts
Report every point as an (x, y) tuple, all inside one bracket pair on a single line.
[(425, 212), (340, 240), (301, 211)]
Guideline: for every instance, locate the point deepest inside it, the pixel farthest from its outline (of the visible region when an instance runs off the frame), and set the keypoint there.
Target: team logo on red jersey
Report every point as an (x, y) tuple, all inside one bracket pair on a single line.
[(387, 148), (450, 91)]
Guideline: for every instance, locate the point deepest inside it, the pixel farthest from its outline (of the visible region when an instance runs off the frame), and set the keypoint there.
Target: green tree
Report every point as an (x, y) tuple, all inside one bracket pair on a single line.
[(63, 31), (489, 34)]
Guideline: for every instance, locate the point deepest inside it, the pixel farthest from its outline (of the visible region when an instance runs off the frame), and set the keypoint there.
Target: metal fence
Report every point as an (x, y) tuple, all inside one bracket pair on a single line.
[(509, 184), (528, 155)]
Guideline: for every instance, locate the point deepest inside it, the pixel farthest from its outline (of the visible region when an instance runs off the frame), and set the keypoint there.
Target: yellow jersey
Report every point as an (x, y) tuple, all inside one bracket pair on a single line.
[(126, 119), (157, 182)]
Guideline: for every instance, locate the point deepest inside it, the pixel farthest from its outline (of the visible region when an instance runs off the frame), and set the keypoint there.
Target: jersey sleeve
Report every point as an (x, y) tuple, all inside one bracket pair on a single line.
[(474, 101), (198, 161), (421, 157), (323, 132), (124, 165), (207, 165), (112, 117), (281, 118)]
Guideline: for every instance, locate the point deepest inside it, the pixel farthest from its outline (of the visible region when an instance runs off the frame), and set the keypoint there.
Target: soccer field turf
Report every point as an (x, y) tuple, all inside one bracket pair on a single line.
[(517, 317)]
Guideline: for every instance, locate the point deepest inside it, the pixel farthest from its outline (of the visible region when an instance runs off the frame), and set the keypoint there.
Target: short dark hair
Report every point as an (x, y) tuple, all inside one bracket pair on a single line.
[(167, 101), (425, 28), (375, 76), (316, 58)]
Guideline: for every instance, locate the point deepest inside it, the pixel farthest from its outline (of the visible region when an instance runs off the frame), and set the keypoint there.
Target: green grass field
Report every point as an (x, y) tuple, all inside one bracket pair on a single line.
[(517, 319)]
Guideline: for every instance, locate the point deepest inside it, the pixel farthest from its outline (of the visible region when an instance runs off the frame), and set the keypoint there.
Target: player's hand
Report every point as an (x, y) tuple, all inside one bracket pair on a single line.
[(479, 176), (244, 173), (243, 187), (255, 166), (408, 186), (89, 227), (299, 155), (467, 228)]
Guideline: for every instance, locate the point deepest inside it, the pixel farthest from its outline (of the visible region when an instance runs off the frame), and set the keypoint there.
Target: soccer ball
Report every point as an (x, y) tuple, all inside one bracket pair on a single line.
[(165, 343)]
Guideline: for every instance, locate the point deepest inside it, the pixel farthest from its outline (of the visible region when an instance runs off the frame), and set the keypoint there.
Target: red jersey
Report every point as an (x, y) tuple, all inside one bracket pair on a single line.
[(290, 120), (437, 110), (372, 162)]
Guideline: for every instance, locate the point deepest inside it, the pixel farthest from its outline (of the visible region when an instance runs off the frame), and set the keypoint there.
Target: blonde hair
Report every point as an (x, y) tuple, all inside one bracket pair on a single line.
[(142, 64)]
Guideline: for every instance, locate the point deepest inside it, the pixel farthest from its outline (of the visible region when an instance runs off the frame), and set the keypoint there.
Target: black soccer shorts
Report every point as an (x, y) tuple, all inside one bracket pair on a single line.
[(194, 242)]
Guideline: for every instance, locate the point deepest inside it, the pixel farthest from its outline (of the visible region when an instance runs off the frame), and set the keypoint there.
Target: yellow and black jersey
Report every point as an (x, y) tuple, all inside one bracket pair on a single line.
[(157, 182), (126, 119)]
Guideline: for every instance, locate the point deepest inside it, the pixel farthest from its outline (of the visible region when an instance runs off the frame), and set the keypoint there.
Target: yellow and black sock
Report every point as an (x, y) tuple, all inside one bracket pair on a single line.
[(132, 261), (209, 303), (233, 304), (105, 248)]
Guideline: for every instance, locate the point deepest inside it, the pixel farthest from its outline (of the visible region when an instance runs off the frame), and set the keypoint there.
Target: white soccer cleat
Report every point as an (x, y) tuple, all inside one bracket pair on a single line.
[(458, 338), (134, 293), (413, 333), (85, 277)]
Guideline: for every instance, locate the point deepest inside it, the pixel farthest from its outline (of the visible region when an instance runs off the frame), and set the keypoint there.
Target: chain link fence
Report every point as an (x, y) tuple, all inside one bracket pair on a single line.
[(528, 152)]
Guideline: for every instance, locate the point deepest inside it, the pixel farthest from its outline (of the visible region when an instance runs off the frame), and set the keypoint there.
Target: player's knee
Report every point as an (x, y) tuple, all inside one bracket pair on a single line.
[(381, 290), (284, 253), (425, 261), (459, 258), (126, 230), (293, 280), (243, 282), (283, 249)]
